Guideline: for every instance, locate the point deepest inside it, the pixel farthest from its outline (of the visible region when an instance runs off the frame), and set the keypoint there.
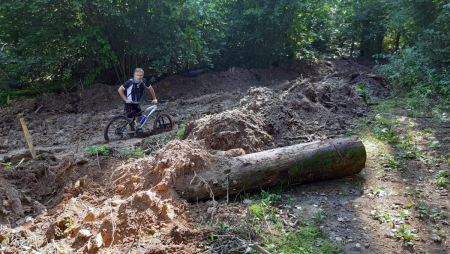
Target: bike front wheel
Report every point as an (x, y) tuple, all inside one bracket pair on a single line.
[(163, 123), (117, 129)]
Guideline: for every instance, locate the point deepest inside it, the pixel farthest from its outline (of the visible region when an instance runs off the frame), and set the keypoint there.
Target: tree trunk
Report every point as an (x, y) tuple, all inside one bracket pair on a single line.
[(397, 41), (308, 162), (379, 43)]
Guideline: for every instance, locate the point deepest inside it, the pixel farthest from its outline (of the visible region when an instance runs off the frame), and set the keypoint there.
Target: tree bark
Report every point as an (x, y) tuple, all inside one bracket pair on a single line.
[(397, 41), (302, 163)]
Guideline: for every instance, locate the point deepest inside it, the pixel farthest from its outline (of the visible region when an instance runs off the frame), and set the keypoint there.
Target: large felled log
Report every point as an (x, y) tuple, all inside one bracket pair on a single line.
[(308, 162)]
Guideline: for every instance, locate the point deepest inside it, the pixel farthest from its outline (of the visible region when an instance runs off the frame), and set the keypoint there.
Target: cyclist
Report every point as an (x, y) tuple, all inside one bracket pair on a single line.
[(131, 92)]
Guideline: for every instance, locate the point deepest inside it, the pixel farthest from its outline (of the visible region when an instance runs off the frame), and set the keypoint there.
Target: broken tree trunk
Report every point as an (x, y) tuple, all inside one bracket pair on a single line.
[(302, 163)]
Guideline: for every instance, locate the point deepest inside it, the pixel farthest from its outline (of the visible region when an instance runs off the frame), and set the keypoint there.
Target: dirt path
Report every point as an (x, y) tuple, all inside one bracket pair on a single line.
[(73, 198)]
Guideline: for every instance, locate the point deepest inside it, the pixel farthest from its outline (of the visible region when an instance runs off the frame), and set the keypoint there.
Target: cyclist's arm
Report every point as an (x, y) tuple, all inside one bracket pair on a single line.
[(152, 92), (121, 91), (150, 88)]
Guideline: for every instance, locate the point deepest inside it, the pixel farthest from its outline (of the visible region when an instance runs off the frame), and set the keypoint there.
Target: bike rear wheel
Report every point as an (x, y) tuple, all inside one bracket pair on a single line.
[(163, 123), (116, 127)]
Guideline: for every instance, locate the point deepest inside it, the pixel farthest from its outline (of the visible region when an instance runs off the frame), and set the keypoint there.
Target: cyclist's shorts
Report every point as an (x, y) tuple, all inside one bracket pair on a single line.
[(130, 108)]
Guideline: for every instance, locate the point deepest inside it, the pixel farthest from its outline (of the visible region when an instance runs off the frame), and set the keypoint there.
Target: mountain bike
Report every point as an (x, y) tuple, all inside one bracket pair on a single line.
[(123, 126)]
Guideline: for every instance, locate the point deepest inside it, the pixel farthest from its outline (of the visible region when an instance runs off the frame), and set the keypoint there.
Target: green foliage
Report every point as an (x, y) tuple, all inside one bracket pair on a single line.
[(442, 178), (269, 198), (67, 221), (85, 40), (433, 214), (369, 30), (7, 165), (383, 129), (422, 68), (127, 154), (306, 239), (94, 150), (265, 209), (92, 41), (256, 210), (5, 100), (265, 33), (393, 164), (180, 132), (361, 88), (404, 234), (303, 238), (382, 120)]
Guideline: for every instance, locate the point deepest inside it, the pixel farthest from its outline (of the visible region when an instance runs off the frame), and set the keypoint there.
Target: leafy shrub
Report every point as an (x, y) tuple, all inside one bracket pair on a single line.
[(256, 210), (442, 178), (406, 68), (94, 150), (423, 69), (180, 132)]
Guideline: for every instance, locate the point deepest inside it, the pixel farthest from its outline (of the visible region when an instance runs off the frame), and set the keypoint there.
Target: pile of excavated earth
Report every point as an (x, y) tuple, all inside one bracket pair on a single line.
[(73, 198)]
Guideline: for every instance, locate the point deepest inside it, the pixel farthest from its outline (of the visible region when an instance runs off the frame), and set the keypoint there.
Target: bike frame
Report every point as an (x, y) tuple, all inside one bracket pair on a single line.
[(147, 112)]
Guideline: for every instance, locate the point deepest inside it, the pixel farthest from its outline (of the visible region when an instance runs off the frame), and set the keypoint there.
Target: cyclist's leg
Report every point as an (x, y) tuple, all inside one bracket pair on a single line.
[(139, 114), (129, 110)]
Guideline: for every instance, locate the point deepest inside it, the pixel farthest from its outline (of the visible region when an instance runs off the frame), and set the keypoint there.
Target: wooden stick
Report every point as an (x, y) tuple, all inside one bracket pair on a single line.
[(38, 109), (258, 248), (20, 162), (28, 137)]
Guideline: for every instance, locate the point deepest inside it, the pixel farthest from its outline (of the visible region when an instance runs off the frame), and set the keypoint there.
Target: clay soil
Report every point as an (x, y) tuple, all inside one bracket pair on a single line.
[(76, 198)]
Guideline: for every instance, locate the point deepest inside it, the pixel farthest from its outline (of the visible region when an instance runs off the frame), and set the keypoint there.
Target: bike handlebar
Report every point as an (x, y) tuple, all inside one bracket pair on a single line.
[(159, 101)]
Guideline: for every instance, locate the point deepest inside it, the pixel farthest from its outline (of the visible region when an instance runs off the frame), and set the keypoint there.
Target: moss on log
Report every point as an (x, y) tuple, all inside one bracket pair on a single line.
[(301, 163)]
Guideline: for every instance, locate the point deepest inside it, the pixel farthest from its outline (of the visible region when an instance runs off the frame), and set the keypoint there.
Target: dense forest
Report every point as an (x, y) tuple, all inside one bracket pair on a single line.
[(68, 43)]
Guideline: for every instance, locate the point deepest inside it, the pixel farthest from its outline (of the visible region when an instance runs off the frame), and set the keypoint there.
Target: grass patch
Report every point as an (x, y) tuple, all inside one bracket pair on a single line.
[(305, 239), (119, 154), (266, 219), (128, 154), (442, 178), (94, 150)]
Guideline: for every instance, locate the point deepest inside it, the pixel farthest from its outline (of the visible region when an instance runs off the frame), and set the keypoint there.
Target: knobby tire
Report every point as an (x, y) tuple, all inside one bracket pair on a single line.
[(163, 123), (115, 128)]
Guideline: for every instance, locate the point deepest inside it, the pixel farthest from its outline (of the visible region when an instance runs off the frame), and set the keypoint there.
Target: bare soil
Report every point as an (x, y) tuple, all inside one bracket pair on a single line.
[(73, 200)]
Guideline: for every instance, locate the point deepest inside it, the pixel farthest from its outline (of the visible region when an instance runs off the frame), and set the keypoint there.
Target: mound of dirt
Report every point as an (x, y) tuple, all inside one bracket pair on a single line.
[(148, 200), (373, 87), (231, 130), (303, 112)]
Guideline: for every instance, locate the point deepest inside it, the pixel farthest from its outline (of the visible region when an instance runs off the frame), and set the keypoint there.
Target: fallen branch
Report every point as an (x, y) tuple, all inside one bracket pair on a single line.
[(38, 109), (259, 248), (98, 161), (20, 162)]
